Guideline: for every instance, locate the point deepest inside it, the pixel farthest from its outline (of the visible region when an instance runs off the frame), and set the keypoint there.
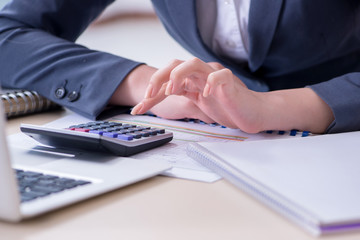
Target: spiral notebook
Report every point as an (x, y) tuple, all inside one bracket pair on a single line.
[(18, 102), (313, 181)]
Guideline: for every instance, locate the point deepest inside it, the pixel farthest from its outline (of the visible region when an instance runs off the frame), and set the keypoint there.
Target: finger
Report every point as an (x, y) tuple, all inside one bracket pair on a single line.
[(194, 71), (223, 77), (147, 103), (159, 78), (216, 66)]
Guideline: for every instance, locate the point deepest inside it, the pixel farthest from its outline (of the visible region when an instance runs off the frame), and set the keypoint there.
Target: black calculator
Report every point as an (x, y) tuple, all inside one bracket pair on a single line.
[(122, 139)]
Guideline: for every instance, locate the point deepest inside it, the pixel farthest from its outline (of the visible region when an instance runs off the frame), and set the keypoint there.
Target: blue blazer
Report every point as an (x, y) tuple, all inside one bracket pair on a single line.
[(292, 44)]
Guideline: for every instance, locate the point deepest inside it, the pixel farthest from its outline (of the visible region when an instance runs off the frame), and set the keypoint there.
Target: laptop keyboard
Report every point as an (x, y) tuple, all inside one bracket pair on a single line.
[(33, 185)]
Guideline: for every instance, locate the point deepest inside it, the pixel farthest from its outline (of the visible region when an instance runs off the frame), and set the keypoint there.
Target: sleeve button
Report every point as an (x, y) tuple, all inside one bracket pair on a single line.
[(60, 92), (73, 96)]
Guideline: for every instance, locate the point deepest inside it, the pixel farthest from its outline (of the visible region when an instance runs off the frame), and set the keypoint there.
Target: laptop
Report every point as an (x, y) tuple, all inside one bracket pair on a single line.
[(35, 180)]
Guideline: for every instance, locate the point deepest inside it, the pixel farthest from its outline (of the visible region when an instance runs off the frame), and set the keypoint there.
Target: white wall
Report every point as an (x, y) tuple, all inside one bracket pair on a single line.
[(139, 38)]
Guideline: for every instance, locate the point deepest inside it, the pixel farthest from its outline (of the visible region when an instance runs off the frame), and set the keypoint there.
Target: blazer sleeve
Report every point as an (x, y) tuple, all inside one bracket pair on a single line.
[(342, 94), (38, 52)]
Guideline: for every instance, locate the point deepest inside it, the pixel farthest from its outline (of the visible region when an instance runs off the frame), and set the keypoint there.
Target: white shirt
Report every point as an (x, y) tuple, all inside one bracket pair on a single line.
[(223, 26)]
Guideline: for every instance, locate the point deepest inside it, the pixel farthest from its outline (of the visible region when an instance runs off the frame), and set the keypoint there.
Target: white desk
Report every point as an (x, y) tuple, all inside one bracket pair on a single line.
[(161, 207)]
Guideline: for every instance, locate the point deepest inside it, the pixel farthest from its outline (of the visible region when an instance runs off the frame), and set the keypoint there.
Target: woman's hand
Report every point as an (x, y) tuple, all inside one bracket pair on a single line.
[(132, 89), (213, 89)]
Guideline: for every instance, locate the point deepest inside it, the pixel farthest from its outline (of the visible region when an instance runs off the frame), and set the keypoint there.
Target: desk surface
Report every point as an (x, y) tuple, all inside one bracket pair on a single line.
[(158, 208), (161, 207)]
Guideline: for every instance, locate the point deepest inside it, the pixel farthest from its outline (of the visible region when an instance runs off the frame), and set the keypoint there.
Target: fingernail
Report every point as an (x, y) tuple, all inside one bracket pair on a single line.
[(149, 91), (206, 91), (169, 88), (137, 109)]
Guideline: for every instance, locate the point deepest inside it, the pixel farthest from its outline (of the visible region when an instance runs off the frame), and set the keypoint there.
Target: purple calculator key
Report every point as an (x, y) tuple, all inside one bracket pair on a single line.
[(125, 137), (110, 134)]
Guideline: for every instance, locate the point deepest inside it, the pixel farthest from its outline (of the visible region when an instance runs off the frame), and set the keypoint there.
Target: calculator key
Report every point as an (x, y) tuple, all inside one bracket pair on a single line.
[(136, 129), (135, 135), (131, 130), (123, 131), (92, 123), (94, 127), (160, 130), (110, 134), (125, 137), (82, 129), (145, 134), (113, 124), (109, 129), (152, 132), (128, 125)]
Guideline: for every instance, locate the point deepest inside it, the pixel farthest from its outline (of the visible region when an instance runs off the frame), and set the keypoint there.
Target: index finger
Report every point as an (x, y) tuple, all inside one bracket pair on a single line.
[(147, 103), (159, 78)]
